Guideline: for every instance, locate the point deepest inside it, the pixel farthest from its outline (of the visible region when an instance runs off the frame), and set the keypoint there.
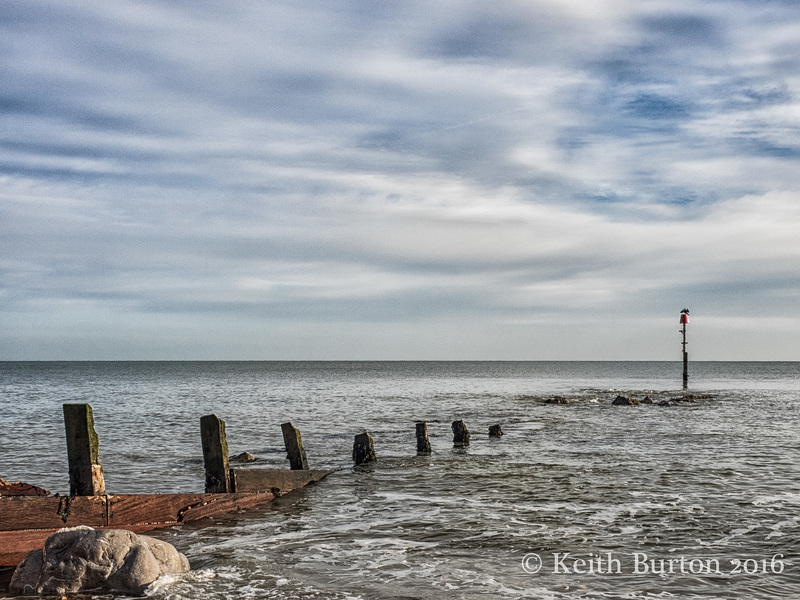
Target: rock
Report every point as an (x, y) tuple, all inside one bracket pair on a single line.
[(625, 401), (82, 559), (18, 488), (495, 430), (557, 400), (647, 400), (26, 576), (244, 457)]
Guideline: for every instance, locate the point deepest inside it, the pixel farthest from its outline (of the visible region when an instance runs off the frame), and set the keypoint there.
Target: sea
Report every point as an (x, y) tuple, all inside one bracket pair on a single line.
[(694, 495)]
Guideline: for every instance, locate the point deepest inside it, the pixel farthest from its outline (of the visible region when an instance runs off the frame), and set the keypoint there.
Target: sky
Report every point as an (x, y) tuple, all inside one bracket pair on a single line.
[(451, 180)]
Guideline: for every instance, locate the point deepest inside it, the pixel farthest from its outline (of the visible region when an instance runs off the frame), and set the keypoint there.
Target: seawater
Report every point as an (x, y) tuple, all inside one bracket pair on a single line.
[(578, 500)]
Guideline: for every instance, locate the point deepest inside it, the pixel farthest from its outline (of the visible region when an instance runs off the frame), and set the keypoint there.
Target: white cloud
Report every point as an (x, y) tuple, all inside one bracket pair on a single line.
[(395, 172)]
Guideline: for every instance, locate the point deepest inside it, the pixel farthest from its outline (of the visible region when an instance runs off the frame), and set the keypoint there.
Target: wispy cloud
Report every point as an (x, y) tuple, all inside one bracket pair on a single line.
[(290, 179)]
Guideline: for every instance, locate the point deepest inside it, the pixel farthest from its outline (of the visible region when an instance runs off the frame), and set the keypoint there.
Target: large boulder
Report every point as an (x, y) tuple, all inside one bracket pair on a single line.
[(82, 559)]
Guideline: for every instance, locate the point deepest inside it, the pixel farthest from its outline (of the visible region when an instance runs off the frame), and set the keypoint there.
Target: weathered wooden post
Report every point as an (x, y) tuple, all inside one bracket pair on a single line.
[(215, 455), (294, 447), (363, 449), (495, 430), (83, 452), (460, 434), (423, 443)]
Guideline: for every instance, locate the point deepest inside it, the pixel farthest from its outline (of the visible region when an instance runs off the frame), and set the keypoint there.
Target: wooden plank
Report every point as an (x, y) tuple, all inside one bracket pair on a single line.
[(83, 452), (259, 480), (27, 521), (157, 509), (215, 454), (126, 510), (161, 510), (170, 508), (46, 512), (219, 504), (139, 513), (15, 545), (294, 447)]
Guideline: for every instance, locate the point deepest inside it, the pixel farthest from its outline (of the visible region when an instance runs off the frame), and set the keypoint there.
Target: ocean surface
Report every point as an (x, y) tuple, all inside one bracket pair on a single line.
[(578, 500)]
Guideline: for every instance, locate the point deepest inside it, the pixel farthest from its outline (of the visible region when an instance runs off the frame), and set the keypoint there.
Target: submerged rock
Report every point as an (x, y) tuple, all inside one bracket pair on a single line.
[(495, 430), (244, 457), (82, 559), (557, 400), (625, 401), (683, 400)]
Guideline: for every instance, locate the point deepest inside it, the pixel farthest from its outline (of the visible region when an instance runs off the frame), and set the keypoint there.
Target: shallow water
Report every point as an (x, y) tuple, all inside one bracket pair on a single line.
[(603, 495)]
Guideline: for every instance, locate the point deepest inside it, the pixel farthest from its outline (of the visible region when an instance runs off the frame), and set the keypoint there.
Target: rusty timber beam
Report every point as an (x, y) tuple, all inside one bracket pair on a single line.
[(215, 455), (83, 444)]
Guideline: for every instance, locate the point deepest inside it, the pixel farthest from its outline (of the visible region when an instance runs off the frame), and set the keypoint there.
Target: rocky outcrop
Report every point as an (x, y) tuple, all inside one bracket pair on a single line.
[(82, 559), (625, 401)]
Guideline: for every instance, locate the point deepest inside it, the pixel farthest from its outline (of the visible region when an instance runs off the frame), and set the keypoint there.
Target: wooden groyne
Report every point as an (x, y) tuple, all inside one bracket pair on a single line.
[(29, 515)]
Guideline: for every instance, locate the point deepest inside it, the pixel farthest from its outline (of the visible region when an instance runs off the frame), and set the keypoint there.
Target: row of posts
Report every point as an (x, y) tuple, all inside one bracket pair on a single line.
[(86, 473), (215, 452), (364, 447), (215, 448)]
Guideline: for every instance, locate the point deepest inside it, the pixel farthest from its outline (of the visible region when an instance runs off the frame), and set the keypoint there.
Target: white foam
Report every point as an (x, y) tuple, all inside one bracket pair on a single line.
[(786, 498)]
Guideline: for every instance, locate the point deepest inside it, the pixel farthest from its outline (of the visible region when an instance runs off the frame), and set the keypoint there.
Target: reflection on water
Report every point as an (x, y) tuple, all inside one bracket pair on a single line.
[(712, 480)]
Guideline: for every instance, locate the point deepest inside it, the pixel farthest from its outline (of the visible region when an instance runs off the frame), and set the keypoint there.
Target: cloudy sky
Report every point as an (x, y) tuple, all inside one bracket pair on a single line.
[(538, 179)]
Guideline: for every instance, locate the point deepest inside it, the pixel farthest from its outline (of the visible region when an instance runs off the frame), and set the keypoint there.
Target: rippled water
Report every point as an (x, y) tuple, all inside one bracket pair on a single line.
[(602, 495)]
